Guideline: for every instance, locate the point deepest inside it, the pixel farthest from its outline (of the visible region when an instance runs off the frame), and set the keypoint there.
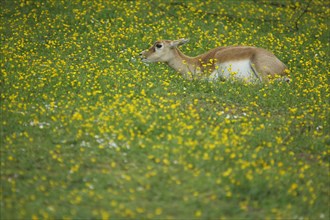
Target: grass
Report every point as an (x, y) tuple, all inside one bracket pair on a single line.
[(88, 131)]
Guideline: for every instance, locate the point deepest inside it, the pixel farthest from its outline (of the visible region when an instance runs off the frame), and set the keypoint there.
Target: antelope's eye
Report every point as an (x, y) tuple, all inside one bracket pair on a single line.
[(159, 45)]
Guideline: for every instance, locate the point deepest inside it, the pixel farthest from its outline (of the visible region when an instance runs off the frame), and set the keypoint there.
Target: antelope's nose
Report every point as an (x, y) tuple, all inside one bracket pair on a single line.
[(141, 55)]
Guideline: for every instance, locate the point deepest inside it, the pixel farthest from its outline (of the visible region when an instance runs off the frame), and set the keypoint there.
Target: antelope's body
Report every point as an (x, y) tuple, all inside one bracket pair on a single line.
[(241, 62)]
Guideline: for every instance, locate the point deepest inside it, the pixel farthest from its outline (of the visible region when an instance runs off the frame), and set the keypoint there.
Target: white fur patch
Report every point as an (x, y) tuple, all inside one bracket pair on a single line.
[(241, 70)]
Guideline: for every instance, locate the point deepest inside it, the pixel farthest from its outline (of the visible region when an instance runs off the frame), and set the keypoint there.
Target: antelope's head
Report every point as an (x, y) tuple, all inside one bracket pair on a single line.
[(161, 51)]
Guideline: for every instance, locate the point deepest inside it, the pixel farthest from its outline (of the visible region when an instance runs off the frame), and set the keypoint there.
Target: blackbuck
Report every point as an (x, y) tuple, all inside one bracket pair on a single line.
[(246, 63)]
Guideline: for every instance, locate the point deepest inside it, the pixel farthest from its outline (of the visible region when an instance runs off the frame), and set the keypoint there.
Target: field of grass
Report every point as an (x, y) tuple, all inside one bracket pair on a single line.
[(88, 131)]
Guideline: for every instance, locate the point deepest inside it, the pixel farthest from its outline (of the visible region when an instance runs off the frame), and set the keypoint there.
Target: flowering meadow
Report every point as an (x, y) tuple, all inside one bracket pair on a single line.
[(89, 131)]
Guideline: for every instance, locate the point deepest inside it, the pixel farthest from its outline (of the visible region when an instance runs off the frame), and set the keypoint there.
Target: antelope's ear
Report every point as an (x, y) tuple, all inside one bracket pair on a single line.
[(177, 43)]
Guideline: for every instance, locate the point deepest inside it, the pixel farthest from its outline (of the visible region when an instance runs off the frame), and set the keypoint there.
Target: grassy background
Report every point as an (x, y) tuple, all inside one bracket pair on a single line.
[(88, 131)]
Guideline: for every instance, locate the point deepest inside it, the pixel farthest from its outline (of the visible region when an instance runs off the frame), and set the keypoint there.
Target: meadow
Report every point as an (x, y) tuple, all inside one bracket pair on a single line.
[(88, 131)]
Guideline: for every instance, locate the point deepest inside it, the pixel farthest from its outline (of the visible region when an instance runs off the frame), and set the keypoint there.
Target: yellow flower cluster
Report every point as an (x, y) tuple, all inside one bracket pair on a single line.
[(89, 131)]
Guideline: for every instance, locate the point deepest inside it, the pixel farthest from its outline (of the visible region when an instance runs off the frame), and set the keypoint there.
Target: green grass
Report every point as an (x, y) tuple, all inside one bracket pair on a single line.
[(88, 131)]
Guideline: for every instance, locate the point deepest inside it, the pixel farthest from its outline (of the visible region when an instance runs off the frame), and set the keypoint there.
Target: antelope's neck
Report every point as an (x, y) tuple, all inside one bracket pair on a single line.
[(184, 64)]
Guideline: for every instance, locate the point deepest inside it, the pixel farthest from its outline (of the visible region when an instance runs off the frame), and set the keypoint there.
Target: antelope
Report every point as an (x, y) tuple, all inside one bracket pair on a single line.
[(245, 63)]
